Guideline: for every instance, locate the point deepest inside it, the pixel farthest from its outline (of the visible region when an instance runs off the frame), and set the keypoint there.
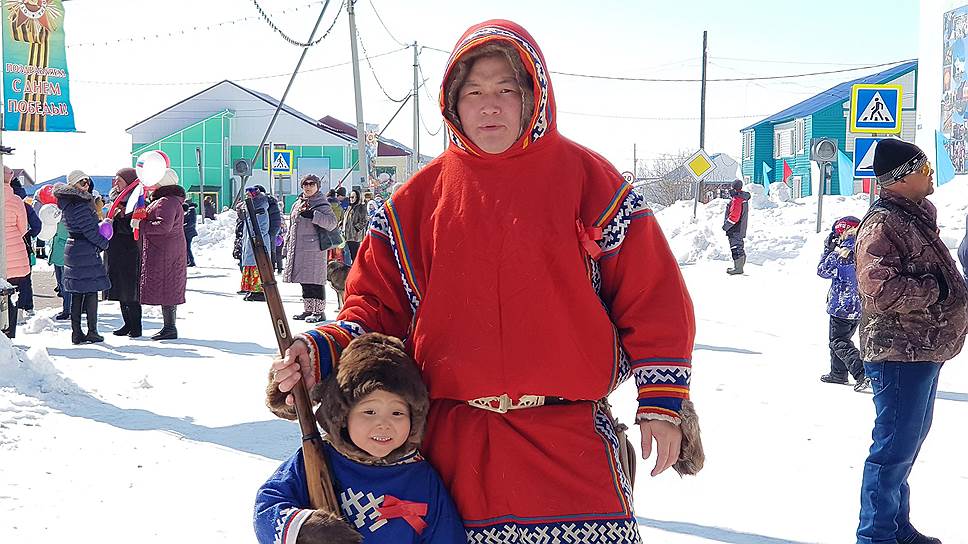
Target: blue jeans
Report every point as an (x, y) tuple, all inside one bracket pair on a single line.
[(65, 296), (904, 401)]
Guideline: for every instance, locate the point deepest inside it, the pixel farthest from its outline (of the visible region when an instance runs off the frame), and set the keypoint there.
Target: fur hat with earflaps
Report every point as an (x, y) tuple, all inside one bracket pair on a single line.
[(369, 363)]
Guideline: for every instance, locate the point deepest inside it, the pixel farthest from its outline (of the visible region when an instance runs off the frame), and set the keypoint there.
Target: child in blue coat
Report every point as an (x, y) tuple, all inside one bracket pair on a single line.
[(843, 303), (372, 410)]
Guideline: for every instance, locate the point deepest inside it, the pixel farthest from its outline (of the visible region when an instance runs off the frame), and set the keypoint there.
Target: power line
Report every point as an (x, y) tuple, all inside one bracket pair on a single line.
[(770, 61), (286, 37), (187, 30), (377, 13), (607, 116), (359, 38), (210, 82), (694, 80)]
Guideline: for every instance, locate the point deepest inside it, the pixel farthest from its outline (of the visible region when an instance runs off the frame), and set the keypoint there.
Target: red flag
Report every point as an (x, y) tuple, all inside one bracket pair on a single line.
[(787, 171)]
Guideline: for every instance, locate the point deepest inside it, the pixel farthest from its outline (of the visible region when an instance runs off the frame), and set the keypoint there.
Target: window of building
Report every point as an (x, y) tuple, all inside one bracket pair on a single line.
[(748, 144), (788, 139)]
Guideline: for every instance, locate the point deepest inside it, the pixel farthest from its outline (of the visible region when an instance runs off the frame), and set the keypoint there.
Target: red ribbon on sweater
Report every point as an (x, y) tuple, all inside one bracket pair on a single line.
[(411, 512), (589, 239)]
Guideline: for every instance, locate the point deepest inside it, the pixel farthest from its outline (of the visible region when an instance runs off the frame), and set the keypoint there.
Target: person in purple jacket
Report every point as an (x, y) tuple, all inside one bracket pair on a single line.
[(843, 303), (163, 253), (373, 410)]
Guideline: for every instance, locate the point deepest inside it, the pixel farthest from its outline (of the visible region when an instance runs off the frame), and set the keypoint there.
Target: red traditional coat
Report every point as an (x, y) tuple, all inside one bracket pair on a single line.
[(537, 271)]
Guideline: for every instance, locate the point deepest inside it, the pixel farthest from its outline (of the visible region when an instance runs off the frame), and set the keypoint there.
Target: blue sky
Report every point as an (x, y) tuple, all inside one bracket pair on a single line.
[(608, 37)]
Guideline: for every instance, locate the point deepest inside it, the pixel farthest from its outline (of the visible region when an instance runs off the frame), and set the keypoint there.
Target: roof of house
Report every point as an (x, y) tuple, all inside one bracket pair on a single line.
[(25, 178), (385, 146), (834, 95), (261, 96)]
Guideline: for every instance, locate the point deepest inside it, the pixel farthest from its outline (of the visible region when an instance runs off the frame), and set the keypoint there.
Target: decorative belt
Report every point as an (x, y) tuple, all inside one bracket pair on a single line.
[(503, 403)]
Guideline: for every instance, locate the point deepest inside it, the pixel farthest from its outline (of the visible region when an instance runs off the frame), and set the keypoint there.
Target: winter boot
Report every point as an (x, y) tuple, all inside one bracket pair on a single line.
[(77, 303), (863, 384), (90, 306), (11, 330), (830, 377), (318, 307), (918, 538), (124, 330), (307, 310), (134, 319), (255, 297), (168, 331), (737, 266)]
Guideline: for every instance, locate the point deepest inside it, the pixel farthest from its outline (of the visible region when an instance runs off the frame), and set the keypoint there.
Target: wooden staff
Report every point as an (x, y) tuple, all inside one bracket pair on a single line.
[(322, 495)]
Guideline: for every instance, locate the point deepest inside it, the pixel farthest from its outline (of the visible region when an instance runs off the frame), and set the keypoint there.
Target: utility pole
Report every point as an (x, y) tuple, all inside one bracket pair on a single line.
[(635, 162), (360, 129), (415, 159), (201, 183), (702, 119)]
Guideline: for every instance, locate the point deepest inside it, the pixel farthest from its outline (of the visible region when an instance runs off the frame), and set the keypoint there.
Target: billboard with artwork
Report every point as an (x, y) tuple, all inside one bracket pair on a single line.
[(954, 86)]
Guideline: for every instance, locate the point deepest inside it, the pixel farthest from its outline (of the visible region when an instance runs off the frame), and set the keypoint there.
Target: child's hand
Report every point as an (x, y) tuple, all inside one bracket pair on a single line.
[(323, 527)]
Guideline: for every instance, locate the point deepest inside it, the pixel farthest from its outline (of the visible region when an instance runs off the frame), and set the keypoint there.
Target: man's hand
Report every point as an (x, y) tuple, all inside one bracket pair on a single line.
[(286, 371), (668, 440)]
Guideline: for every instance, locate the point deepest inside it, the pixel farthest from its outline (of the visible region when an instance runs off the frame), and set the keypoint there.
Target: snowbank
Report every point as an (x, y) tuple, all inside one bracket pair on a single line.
[(30, 373), (780, 230)]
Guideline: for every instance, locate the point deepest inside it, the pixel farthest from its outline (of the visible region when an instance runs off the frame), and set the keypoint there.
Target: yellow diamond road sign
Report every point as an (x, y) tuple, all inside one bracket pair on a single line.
[(699, 165)]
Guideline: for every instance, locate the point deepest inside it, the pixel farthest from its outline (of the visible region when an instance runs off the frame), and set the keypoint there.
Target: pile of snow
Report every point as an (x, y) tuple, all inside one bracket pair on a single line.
[(779, 230), (213, 245), (39, 323), (30, 373)]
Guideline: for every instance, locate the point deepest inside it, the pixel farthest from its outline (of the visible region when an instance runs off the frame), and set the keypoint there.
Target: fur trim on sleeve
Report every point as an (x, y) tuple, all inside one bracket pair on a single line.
[(691, 455), (276, 401), (327, 528)]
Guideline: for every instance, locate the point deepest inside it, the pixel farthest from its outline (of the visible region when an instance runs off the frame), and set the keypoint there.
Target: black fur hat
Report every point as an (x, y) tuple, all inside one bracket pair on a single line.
[(369, 363)]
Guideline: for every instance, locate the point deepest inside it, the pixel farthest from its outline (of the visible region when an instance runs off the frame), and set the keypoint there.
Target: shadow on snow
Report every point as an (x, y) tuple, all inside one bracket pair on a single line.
[(716, 534)]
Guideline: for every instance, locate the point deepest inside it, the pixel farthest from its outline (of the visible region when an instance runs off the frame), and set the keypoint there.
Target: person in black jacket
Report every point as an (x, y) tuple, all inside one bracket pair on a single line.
[(191, 228), (124, 259), (208, 208), (737, 212)]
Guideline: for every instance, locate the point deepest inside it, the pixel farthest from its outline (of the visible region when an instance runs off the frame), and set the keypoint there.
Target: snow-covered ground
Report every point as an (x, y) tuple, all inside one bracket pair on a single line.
[(139, 441)]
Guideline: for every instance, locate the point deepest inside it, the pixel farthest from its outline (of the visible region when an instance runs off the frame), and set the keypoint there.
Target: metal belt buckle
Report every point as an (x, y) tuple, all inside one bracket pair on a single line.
[(504, 403)]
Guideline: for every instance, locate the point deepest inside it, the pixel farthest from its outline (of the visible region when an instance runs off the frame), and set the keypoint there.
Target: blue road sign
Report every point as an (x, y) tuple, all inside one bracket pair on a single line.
[(876, 108), (864, 157), (281, 163)]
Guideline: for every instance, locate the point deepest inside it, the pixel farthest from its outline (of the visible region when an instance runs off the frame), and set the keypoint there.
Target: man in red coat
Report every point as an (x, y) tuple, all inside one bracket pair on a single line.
[(528, 281)]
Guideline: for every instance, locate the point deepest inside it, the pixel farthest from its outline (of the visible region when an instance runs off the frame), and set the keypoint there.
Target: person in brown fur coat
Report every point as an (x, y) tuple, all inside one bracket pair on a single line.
[(372, 411)]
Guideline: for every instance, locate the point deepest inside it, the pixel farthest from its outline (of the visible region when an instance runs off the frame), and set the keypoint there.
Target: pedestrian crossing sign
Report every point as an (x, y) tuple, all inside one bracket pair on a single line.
[(876, 109), (864, 157), (281, 163)]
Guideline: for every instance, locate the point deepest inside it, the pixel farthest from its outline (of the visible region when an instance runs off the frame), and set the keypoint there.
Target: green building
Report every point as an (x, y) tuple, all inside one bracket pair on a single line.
[(204, 134)]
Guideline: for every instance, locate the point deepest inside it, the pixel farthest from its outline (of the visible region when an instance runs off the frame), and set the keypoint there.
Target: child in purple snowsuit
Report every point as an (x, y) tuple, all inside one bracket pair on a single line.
[(843, 303)]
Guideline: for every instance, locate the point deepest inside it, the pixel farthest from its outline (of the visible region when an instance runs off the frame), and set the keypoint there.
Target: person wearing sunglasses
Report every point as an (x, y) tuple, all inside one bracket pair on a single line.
[(84, 273), (914, 316)]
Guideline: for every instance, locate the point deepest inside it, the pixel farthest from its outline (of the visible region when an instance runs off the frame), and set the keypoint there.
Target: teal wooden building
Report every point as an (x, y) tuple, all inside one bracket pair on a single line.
[(783, 139)]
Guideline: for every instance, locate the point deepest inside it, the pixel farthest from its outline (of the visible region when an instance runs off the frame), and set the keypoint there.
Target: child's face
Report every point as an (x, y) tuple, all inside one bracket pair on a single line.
[(379, 423)]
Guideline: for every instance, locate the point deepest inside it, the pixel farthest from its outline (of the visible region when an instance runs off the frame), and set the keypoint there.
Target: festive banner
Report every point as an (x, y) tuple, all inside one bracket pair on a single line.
[(36, 91)]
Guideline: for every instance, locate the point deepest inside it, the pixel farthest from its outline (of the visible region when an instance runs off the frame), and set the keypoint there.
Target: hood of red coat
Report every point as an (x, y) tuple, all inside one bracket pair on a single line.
[(544, 120)]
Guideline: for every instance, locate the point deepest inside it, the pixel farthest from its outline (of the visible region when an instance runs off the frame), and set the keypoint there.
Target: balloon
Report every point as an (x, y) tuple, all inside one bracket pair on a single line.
[(151, 167), (49, 215), (106, 229), (46, 195)]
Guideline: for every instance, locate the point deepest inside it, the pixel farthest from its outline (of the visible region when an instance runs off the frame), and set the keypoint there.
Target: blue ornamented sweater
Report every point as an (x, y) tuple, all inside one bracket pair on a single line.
[(408, 494)]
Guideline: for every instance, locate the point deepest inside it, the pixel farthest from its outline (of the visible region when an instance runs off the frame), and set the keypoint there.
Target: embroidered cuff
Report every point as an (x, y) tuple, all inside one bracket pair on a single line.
[(291, 524)]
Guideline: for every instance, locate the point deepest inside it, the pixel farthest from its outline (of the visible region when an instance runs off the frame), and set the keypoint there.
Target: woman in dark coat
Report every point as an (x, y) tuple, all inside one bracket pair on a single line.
[(305, 261), (163, 260), (354, 223), (191, 228), (84, 273), (124, 259)]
